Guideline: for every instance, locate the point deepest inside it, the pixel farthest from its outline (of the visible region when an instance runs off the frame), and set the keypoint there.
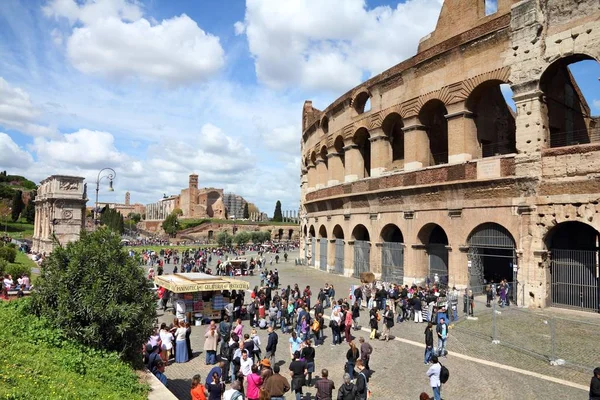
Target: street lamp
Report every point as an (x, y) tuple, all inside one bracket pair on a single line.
[(110, 174)]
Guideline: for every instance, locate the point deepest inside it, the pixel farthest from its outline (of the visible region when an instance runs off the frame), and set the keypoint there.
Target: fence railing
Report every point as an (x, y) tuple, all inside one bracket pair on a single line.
[(572, 138), (542, 334)]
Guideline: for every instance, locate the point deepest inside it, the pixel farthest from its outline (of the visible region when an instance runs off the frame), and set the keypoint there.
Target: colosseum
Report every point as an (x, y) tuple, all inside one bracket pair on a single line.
[(424, 172)]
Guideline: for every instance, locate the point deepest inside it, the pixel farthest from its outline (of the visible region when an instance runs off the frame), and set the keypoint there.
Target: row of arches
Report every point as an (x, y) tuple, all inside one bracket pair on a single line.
[(574, 249)]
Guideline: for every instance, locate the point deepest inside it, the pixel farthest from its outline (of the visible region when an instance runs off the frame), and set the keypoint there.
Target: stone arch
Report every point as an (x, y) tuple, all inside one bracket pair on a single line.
[(325, 124), (311, 231), (392, 254), (338, 147), (323, 244), (433, 116), (290, 234), (361, 140), (323, 232), (362, 250), (569, 117), (574, 249), (360, 232), (494, 119), (435, 243), (339, 249), (312, 246), (391, 233), (361, 102), (305, 230), (313, 158), (392, 127), (338, 232)]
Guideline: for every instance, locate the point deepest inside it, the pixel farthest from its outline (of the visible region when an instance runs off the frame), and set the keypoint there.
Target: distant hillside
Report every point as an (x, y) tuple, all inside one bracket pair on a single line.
[(9, 184)]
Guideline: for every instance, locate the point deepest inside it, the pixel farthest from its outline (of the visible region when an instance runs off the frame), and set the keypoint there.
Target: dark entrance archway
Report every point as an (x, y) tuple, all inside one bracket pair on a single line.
[(338, 234), (433, 117), (362, 250), (491, 257), (574, 258), (392, 254), (435, 240), (313, 245), (323, 248)]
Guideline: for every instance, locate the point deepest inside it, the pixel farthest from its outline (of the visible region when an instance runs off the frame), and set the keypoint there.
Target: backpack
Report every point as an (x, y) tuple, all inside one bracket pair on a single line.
[(316, 326), (444, 374), (378, 316)]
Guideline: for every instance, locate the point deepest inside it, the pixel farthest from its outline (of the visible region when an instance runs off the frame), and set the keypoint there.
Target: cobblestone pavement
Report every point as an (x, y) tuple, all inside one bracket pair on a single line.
[(399, 369)]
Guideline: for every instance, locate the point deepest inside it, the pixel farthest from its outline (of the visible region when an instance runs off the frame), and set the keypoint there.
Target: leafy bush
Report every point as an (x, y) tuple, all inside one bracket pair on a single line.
[(8, 253), (3, 266), (16, 270), (94, 291), (40, 362)]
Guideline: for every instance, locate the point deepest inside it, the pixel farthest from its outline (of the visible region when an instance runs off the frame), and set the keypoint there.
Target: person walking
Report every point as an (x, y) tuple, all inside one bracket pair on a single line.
[(433, 373), (428, 343), (308, 354), (347, 391), (388, 323), (352, 355), (295, 343), (277, 385), (362, 381), (595, 385), (210, 344), (272, 340), (373, 321), (355, 315), (442, 333), (348, 321), (365, 352), (298, 371), (324, 386), (335, 326)]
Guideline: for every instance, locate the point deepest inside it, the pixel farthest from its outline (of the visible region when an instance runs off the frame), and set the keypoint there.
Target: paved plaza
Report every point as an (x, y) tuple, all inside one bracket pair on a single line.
[(478, 369)]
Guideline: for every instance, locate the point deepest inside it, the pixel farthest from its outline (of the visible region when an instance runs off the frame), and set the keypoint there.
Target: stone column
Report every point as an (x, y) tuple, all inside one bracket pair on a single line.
[(355, 165), (335, 169), (349, 258), (312, 172), (331, 254), (463, 144), (321, 174), (375, 261), (532, 120), (416, 145), (381, 152)]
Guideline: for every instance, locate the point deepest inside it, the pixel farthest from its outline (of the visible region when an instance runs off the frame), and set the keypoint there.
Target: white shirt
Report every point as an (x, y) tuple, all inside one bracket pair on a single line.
[(246, 366), (229, 393), (167, 339), (180, 333), (434, 375)]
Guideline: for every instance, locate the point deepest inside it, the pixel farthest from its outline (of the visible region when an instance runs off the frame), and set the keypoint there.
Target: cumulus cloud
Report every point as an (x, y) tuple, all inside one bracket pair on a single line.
[(111, 38), (11, 155), (331, 45), (283, 139), (18, 113)]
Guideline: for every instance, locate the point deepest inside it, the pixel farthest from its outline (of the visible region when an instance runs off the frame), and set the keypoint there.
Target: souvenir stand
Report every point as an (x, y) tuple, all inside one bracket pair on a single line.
[(201, 293)]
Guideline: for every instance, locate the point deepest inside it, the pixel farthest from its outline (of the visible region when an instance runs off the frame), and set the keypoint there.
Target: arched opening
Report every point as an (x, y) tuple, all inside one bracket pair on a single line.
[(338, 234), (361, 139), (392, 254), (338, 145), (568, 84), (433, 117), (323, 248), (435, 240), (362, 102), (392, 127), (290, 234), (325, 124), (494, 119), (211, 235), (362, 250), (280, 234), (491, 257), (313, 246), (323, 159), (574, 257)]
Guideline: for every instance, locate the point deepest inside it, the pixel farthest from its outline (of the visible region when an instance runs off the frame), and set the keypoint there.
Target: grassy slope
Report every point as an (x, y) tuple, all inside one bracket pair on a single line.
[(17, 230)]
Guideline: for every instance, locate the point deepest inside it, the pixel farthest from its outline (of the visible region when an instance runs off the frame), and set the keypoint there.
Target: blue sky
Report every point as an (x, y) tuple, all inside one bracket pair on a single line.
[(160, 89)]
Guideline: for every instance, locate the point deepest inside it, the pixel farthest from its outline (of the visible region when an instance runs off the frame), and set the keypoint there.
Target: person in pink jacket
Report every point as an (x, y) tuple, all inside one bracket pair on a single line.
[(254, 383)]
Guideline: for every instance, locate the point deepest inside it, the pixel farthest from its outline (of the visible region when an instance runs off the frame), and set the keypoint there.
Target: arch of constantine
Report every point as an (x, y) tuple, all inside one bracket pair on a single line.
[(424, 171)]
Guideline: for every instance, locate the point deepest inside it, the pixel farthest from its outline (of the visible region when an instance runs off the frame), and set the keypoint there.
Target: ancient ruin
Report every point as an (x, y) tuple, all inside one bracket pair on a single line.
[(440, 179), (59, 212)]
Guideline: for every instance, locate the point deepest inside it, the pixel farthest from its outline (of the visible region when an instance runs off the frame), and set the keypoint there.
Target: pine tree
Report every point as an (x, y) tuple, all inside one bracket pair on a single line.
[(29, 212), (17, 205), (277, 216), (246, 211)]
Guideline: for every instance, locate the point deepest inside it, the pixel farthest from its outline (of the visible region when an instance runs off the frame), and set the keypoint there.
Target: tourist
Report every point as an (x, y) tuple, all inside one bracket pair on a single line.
[(245, 364), (217, 370), (198, 391), (352, 356), (348, 321), (373, 321), (324, 386), (298, 371), (272, 341), (347, 391), (471, 303), (595, 385), (365, 352), (308, 354), (442, 333), (166, 339), (210, 344), (295, 343), (234, 392), (159, 372), (434, 377), (388, 323), (334, 323), (238, 328), (277, 385), (265, 369), (417, 308), (362, 381), (257, 352), (249, 346), (319, 335), (181, 349), (355, 315), (428, 343), (153, 356), (254, 381)]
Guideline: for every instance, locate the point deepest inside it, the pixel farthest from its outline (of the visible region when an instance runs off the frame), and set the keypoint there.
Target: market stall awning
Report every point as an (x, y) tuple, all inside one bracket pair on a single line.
[(199, 282)]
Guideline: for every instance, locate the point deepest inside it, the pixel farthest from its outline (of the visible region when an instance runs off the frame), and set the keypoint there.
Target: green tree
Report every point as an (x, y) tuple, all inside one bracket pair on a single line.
[(277, 216), (246, 211), (112, 219), (178, 212), (242, 238), (17, 205), (29, 212), (135, 217), (97, 294), (171, 225), (223, 238)]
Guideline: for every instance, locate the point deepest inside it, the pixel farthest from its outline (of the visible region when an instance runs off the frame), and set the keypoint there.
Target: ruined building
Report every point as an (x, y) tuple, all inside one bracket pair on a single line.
[(441, 179)]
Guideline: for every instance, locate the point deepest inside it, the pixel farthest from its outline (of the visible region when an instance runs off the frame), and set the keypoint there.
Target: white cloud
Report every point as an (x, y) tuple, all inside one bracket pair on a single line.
[(112, 39), (330, 45), (11, 155), (18, 113), (283, 139), (596, 104)]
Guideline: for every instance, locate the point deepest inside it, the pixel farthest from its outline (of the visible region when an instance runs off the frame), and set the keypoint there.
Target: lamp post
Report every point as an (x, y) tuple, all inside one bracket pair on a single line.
[(110, 174)]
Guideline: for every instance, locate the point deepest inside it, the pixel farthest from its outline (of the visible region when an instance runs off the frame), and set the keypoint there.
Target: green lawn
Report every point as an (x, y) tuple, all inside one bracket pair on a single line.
[(24, 260), (188, 223), (17, 230)]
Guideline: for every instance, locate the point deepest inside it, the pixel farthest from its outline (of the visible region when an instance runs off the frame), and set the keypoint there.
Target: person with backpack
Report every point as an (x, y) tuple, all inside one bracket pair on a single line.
[(373, 321), (437, 374), (362, 381)]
